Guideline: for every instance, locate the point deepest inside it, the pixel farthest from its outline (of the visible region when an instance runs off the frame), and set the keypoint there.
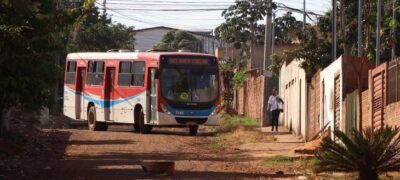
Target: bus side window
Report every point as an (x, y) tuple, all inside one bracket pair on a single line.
[(124, 75), (138, 69), (71, 72), (95, 75), (90, 71), (99, 74)]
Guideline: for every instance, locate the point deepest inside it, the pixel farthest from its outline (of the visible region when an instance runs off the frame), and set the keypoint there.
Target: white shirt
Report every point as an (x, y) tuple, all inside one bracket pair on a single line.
[(273, 102)]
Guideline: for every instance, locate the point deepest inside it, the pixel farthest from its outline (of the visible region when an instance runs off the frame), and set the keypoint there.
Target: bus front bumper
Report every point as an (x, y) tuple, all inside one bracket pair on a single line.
[(165, 119)]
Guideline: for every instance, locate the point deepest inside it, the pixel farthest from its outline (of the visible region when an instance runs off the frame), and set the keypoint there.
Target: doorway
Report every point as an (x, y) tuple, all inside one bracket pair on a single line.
[(79, 95), (152, 97), (109, 93)]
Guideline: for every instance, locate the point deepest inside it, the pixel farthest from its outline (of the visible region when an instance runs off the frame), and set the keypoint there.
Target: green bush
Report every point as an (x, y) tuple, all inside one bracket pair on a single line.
[(239, 78)]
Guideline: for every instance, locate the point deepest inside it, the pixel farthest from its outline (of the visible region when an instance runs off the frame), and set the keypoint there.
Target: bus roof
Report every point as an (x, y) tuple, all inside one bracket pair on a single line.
[(129, 55)]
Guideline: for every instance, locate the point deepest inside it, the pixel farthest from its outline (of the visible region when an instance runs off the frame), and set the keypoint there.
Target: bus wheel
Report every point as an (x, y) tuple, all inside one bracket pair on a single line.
[(136, 127), (193, 130), (144, 129), (93, 124)]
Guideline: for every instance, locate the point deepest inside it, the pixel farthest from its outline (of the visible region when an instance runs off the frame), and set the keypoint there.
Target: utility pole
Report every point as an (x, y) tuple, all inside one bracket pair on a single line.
[(378, 33), (360, 45), (394, 32), (334, 9), (304, 17), (267, 56), (273, 33)]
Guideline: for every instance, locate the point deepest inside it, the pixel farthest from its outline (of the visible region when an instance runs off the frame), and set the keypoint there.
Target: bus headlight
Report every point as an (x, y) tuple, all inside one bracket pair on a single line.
[(216, 110), (164, 109)]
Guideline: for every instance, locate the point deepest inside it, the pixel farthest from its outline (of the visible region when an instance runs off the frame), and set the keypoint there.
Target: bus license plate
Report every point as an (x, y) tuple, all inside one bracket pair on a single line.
[(191, 123)]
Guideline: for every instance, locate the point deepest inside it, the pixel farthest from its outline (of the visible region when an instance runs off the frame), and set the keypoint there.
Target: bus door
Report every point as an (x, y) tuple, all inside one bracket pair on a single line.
[(79, 95), (152, 96), (108, 93)]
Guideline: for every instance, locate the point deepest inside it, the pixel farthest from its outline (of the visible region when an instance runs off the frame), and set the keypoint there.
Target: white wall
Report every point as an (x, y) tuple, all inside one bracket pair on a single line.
[(292, 89), (146, 39), (327, 90)]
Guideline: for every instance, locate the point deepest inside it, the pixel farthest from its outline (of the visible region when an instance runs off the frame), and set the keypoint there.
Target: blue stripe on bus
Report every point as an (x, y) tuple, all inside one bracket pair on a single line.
[(104, 103), (184, 112)]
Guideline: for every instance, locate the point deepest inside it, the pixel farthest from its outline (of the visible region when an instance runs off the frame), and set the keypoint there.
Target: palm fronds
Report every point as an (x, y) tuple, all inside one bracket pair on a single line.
[(368, 152)]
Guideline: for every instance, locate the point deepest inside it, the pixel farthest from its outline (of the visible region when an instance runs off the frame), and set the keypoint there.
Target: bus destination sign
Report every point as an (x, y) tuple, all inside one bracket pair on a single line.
[(188, 61)]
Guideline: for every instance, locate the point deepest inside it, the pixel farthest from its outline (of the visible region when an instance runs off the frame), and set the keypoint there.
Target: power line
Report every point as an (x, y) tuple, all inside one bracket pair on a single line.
[(281, 6), (191, 9), (169, 4), (175, 2)]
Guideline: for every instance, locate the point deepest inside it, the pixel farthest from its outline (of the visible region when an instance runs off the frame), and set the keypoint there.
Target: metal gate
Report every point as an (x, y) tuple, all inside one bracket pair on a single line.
[(377, 80), (393, 81), (351, 111), (336, 101)]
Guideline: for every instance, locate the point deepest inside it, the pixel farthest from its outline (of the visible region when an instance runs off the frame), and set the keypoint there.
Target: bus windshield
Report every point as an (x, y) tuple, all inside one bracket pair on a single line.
[(185, 84)]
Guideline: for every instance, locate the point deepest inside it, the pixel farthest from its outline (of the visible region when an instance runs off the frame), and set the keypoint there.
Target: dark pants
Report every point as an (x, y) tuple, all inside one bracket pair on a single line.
[(274, 118)]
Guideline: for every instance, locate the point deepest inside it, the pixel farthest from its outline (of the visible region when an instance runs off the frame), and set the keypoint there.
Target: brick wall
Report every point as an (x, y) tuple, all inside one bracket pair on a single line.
[(239, 99), (366, 116), (250, 97), (254, 96), (315, 105), (393, 114)]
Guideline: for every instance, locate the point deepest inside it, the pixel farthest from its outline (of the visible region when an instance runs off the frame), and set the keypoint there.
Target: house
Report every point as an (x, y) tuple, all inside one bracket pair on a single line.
[(292, 89), (328, 99), (145, 39), (340, 92)]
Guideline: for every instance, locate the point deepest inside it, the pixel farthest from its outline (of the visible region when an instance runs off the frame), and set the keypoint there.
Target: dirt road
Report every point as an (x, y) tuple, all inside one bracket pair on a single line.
[(117, 154)]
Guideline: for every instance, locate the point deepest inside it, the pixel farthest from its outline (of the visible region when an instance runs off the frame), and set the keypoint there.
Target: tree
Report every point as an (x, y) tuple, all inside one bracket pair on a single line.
[(96, 33), (368, 152), (30, 40), (179, 40), (287, 29), (240, 28)]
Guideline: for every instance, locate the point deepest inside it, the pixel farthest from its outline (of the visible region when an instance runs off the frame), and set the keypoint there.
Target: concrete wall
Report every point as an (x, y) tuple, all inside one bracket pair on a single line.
[(327, 92), (292, 88)]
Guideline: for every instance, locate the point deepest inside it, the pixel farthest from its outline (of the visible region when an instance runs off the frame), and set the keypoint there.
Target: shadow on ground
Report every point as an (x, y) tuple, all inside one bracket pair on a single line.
[(128, 166)]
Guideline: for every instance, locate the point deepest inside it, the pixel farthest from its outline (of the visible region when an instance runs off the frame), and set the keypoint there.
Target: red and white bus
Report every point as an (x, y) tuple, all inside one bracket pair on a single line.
[(145, 89)]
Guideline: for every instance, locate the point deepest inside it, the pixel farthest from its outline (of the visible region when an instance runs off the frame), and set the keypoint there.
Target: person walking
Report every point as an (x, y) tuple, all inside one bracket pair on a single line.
[(273, 106)]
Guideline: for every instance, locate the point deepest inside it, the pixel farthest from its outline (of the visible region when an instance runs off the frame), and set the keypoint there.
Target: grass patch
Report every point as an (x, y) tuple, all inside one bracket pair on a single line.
[(286, 163), (244, 134), (236, 130), (231, 123), (215, 145), (277, 159)]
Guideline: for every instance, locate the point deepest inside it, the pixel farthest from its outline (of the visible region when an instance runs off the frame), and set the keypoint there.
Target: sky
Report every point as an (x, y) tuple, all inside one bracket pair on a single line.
[(146, 13)]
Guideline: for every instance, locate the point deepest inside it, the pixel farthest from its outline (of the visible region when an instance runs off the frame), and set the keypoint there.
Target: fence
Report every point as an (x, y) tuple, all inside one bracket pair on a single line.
[(393, 91)]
